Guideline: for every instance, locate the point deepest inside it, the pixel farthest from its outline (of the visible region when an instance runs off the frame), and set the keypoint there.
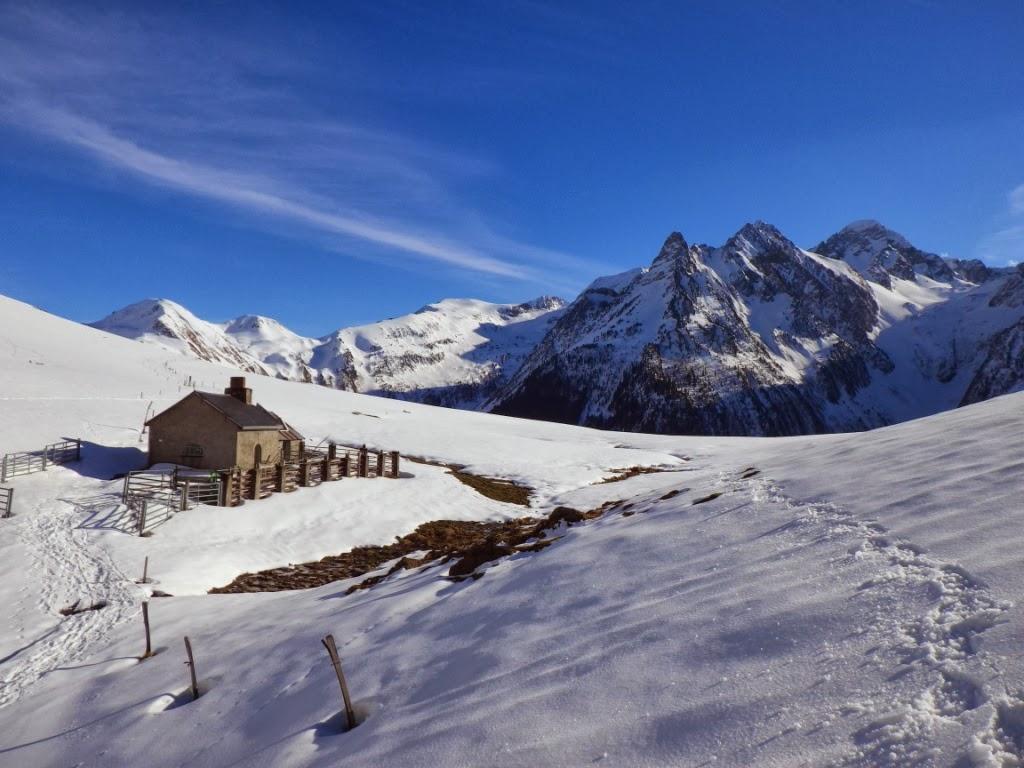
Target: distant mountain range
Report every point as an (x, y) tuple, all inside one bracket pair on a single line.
[(755, 337), (457, 352)]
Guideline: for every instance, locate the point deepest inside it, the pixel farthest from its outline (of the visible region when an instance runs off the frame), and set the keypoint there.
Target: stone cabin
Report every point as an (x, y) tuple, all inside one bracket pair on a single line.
[(210, 431)]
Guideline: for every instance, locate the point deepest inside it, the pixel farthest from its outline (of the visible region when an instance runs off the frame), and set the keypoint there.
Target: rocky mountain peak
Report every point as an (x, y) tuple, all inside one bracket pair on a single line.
[(880, 254), (674, 246)]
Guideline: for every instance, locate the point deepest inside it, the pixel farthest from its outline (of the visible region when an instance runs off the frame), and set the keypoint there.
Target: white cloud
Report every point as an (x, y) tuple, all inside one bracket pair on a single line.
[(150, 100), (1003, 247), (1017, 200)]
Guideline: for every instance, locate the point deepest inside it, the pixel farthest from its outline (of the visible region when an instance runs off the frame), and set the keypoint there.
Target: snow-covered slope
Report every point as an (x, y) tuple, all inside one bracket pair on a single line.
[(168, 325), (762, 337), (456, 352), (832, 600)]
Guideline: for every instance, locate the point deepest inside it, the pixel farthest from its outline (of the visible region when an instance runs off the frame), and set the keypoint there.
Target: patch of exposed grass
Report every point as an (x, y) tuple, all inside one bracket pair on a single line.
[(492, 488), (469, 544), (709, 497), (627, 472)]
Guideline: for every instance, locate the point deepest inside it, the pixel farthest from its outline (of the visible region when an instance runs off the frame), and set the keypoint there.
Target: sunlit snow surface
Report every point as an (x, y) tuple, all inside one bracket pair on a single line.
[(853, 603)]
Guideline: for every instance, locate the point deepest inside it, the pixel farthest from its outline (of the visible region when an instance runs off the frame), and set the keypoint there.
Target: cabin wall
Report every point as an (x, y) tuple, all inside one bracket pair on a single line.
[(190, 426), (269, 441)]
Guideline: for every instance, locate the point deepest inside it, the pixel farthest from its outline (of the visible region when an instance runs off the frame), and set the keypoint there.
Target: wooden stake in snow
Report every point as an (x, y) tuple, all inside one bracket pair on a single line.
[(145, 621), (145, 571), (332, 651), (191, 664)]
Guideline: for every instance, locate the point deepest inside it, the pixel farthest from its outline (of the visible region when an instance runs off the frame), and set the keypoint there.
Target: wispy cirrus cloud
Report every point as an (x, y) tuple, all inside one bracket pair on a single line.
[(1005, 246), (1017, 200), (243, 129)]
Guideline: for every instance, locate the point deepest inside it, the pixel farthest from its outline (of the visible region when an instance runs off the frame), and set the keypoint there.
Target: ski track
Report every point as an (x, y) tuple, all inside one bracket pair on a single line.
[(942, 642), (66, 570)]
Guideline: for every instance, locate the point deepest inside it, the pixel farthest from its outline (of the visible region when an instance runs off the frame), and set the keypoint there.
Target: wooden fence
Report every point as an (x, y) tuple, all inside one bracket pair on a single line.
[(181, 489), (317, 465), (27, 462), (6, 502)]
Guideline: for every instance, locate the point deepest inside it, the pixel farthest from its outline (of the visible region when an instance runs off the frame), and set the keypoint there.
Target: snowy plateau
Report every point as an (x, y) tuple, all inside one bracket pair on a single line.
[(755, 337), (824, 600)]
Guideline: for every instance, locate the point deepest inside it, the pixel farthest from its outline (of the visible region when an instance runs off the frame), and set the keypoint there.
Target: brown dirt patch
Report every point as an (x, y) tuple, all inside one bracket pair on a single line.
[(627, 472), (77, 607), (491, 487), (709, 497), (470, 544)]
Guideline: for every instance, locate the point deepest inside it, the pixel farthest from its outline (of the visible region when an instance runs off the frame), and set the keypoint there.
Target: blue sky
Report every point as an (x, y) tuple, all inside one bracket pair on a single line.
[(341, 163)]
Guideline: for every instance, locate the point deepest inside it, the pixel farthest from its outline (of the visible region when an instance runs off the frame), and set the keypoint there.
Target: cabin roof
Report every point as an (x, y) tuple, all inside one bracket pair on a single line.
[(245, 416)]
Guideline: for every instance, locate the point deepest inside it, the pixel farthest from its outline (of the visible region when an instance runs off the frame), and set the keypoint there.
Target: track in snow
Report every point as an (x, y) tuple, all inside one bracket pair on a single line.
[(942, 642), (67, 569)]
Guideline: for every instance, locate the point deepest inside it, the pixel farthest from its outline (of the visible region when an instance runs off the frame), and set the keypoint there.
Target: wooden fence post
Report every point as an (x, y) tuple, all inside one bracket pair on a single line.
[(145, 571), (145, 621), (3, 471), (142, 514), (191, 664), (380, 463), (280, 477), (78, 449), (332, 651), (343, 472), (325, 470), (394, 464), (364, 462)]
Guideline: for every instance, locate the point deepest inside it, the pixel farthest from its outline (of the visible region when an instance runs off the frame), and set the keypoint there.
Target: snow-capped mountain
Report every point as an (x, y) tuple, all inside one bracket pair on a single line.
[(762, 337), (166, 324), (755, 337), (456, 352)]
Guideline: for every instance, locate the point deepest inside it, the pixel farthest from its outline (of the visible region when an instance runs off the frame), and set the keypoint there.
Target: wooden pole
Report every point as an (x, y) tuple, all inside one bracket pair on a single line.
[(191, 664), (145, 621), (142, 516), (364, 462), (332, 651), (145, 571), (380, 463), (394, 464)]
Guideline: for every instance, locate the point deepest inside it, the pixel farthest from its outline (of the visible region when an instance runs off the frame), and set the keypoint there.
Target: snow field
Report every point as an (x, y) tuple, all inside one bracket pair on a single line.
[(845, 600)]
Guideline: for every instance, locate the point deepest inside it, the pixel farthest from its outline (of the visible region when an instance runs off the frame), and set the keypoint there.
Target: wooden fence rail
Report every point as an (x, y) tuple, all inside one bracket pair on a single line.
[(233, 487), (6, 502)]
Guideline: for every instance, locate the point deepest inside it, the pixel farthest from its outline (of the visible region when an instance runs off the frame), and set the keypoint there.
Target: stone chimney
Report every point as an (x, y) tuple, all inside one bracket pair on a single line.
[(239, 391)]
